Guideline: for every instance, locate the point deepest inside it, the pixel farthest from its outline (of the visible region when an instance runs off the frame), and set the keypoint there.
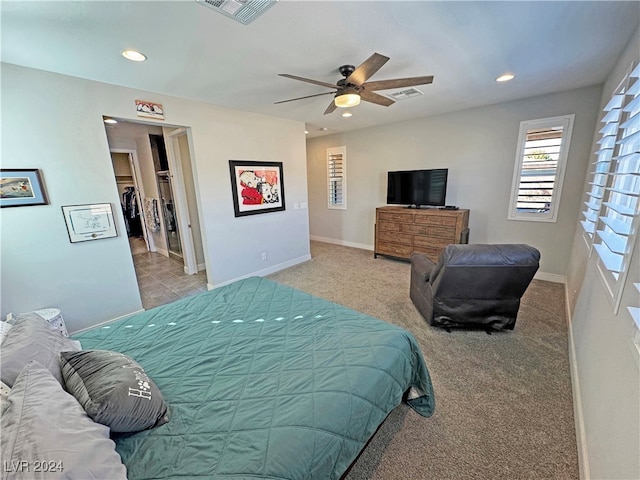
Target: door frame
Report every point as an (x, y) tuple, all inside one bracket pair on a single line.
[(176, 177)]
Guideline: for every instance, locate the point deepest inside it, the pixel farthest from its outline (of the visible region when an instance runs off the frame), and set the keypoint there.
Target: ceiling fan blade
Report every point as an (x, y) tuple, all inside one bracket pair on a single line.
[(308, 80), (330, 108), (307, 96), (370, 66), (375, 98), (398, 83)]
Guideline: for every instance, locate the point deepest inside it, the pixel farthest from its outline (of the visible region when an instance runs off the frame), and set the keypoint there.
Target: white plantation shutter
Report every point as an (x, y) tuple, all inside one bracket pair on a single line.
[(337, 177), (616, 222), (602, 164)]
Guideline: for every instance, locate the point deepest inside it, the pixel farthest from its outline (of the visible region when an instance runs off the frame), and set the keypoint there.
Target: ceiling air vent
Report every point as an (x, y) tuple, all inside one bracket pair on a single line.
[(243, 11), (404, 94)]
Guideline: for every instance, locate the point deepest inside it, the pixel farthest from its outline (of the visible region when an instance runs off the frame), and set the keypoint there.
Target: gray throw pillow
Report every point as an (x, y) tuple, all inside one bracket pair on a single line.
[(31, 338), (47, 435), (114, 390)]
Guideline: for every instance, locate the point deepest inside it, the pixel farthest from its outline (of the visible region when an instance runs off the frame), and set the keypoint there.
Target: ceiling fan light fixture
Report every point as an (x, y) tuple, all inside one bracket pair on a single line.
[(347, 99)]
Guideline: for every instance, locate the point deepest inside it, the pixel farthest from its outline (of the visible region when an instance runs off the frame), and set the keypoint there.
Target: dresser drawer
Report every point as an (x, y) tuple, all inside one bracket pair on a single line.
[(430, 242), (394, 237), (394, 249), (413, 229), (436, 220), (388, 227), (443, 232), (395, 217)]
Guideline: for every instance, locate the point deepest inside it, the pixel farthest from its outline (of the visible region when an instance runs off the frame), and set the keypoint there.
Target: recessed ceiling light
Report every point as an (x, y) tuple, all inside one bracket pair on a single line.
[(134, 55), (347, 114), (505, 77), (110, 120), (324, 129)]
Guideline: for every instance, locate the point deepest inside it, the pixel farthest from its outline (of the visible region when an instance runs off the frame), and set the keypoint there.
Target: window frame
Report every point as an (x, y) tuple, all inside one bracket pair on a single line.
[(337, 183), (612, 263), (566, 121)]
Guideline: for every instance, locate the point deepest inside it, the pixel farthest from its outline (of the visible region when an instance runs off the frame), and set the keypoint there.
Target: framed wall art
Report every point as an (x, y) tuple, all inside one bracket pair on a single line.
[(21, 188), (89, 222), (257, 187), (149, 110)]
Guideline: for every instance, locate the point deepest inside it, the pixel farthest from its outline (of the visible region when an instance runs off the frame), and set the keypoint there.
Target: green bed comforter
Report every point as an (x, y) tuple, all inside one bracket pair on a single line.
[(263, 381)]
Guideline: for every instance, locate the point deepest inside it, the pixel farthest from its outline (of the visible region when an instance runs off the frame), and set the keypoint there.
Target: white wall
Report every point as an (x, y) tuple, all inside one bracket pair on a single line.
[(478, 147), (606, 371), (54, 123)]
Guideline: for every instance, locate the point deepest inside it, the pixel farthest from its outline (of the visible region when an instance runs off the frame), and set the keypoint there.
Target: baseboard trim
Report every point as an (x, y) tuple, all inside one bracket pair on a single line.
[(264, 272), (581, 434), (336, 241), (551, 277)]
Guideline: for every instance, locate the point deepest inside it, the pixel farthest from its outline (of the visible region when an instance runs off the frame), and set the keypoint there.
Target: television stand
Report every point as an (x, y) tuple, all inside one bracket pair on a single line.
[(400, 231)]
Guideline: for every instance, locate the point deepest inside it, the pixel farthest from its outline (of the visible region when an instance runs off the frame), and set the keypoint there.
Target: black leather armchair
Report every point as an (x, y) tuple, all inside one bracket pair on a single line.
[(473, 285)]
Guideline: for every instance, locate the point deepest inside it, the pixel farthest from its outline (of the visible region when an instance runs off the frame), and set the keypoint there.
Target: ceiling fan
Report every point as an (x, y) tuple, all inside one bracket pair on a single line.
[(354, 86)]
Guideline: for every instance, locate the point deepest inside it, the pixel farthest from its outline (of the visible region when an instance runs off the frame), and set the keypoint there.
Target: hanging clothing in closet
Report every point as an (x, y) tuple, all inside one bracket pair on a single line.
[(131, 211)]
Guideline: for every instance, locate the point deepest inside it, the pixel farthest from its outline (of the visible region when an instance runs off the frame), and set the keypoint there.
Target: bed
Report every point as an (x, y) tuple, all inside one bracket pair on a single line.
[(263, 381)]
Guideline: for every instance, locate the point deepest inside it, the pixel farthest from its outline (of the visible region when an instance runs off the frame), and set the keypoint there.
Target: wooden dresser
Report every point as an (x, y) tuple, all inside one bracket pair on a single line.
[(401, 231)]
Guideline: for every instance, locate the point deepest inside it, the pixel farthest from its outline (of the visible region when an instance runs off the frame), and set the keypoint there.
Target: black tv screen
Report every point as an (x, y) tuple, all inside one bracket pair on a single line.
[(417, 187)]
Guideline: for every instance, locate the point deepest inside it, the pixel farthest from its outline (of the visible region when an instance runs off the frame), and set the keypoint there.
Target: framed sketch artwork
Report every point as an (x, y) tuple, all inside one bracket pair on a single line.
[(21, 188), (257, 187), (89, 222)]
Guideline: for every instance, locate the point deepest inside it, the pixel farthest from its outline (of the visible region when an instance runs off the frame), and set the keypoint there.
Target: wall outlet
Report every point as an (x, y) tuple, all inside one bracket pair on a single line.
[(264, 256)]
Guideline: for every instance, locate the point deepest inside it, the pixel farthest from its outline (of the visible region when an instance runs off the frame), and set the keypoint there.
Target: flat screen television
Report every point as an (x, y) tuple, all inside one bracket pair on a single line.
[(417, 187)]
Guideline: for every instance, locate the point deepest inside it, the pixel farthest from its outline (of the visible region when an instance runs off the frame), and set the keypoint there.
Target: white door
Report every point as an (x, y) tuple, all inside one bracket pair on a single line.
[(181, 206)]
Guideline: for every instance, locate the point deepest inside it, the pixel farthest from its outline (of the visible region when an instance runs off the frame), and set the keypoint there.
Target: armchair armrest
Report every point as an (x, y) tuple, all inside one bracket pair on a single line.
[(422, 265)]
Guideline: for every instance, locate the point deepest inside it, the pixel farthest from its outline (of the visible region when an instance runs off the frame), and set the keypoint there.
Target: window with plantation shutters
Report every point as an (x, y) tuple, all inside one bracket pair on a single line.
[(337, 178), (615, 226), (543, 147), (602, 164)]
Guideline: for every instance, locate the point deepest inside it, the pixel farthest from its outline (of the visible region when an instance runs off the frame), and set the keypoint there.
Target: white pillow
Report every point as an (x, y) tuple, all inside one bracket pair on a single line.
[(42, 424), (30, 338)]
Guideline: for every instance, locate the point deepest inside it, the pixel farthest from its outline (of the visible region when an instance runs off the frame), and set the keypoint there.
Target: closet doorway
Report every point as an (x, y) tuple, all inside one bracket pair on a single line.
[(129, 189), (154, 176)]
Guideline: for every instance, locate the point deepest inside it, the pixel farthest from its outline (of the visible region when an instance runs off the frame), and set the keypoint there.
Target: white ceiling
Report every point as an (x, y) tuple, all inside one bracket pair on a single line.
[(196, 53)]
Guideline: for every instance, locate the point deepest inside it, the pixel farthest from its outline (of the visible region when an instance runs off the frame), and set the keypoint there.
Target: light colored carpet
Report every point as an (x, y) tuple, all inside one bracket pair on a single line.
[(503, 401)]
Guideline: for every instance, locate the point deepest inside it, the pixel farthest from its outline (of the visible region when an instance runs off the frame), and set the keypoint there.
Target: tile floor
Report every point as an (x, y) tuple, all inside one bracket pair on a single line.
[(162, 280)]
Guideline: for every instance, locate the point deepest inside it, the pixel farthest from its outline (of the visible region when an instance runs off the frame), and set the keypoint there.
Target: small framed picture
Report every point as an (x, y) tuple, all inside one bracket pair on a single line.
[(89, 222), (21, 188), (257, 187), (149, 110)]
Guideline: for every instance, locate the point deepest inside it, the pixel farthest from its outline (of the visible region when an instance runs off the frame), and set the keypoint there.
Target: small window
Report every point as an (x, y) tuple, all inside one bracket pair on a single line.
[(337, 178), (543, 146)]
